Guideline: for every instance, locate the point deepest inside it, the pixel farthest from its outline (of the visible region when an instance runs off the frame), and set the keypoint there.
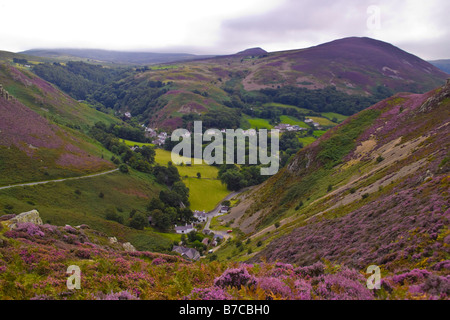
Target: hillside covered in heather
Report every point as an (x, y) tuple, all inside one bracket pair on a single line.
[(34, 259), (373, 190)]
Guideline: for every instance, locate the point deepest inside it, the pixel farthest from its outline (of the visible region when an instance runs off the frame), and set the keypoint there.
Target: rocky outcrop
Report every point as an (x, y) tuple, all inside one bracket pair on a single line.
[(129, 247), (30, 216)]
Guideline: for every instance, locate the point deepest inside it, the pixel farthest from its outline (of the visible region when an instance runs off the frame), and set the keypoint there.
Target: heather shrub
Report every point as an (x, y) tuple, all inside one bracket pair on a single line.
[(274, 287), (437, 286), (158, 261), (70, 229), (30, 228), (83, 253), (235, 278), (302, 289), (411, 277), (42, 297), (338, 287), (122, 295), (313, 270), (443, 265), (213, 293)]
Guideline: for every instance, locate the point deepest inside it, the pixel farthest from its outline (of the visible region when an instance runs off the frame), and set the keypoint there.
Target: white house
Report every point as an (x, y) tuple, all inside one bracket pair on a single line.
[(184, 229), (200, 215)]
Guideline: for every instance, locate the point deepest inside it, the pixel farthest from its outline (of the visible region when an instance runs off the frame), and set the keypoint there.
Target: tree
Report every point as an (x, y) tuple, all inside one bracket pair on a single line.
[(170, 198), (199, 175), (139, 221), (180, 188), (233, 179), (148, 153), (123, 168), (155, 203), (111, 214), (161, 220), (226, 203)]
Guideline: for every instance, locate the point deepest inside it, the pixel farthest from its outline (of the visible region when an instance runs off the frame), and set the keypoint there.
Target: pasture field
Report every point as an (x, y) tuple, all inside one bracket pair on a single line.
[(205, 194), (293, 121), (331, 115)]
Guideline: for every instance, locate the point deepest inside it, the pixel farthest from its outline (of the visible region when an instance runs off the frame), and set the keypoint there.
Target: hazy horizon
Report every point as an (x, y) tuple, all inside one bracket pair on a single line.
[(214, 28)]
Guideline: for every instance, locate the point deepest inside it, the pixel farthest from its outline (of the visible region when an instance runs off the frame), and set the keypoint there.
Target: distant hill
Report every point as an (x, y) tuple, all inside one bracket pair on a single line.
[(351, 64), (443, 64), (116, 57), (364, 68), (252, 52)]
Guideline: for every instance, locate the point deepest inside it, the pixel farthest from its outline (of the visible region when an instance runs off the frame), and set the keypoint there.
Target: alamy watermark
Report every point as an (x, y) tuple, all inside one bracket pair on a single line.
[(374, 281), (213, 153), (74, 281), (373, 21)]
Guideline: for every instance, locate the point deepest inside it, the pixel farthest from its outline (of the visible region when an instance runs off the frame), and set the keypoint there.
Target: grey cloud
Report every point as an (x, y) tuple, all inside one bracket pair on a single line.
[(314, 21)]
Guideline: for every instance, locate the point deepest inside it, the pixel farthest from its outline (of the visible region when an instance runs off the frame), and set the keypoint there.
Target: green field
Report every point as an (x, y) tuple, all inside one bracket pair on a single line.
[(134, 143), (318, 133), (162, 157), (205, 194), (306, 140), (293, 121), (258, 123), (331, 115), (323, 121)]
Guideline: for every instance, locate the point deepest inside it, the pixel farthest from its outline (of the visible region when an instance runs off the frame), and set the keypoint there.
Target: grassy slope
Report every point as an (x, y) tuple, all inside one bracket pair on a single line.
[(78, 202), (293, 121)]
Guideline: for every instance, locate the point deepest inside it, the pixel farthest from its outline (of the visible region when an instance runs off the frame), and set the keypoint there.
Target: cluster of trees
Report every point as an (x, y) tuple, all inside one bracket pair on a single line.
[(219, 119), (78, 79), (136, 220), (238, 177), (138, 96), (289, 145), (141, 159), (171, 207), (323, 100), (20, 61)]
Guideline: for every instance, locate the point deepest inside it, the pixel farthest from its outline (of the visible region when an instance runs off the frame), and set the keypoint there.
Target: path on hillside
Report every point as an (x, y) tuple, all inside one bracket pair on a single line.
[(57, 180)]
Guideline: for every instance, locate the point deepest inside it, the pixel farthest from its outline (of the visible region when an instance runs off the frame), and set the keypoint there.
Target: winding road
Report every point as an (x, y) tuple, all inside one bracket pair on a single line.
[(215, 212), (57, 180)]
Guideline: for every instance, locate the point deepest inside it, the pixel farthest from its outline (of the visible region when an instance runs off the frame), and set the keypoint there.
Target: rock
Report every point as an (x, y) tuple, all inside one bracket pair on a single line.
[(129, 247), (30, 216), (112, 240)]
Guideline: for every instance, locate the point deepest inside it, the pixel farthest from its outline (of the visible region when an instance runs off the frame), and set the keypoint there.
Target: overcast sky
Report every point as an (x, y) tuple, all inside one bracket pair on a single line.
[(222, 27)]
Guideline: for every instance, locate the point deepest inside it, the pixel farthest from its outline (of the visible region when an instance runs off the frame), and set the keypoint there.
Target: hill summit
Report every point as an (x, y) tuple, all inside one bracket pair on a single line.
[(252, 52)]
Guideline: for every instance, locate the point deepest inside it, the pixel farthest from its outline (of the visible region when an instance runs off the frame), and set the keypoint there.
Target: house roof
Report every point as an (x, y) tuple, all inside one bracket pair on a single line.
[(189, 253), (184, 228)]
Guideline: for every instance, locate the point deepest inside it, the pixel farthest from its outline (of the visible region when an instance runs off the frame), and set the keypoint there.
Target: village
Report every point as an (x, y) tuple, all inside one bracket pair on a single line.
[(212, 237), (159, 138)]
